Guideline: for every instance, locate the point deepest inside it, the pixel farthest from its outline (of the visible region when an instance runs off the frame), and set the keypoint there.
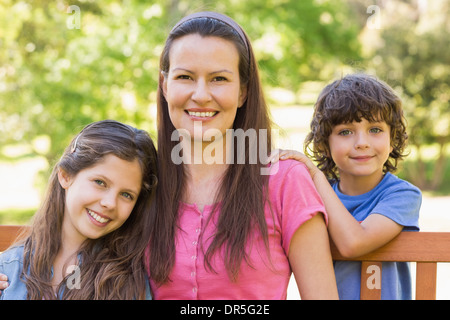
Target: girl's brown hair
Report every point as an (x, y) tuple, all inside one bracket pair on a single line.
[(350, 99), (241, 194), (111, 266)]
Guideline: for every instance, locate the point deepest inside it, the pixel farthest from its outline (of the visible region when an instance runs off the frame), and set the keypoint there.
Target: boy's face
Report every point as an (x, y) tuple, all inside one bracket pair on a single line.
[(360, 149)]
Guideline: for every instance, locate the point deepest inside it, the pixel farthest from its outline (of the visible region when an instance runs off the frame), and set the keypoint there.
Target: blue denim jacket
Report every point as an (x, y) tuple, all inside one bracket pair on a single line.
[(11, 264)]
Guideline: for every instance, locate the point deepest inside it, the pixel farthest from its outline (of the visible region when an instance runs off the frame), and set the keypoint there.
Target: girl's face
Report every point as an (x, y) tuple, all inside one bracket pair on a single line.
[(100, 199), (360, 149), (203, 84)]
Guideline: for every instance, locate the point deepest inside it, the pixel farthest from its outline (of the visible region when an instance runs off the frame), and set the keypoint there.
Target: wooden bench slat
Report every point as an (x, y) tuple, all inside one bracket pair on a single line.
[(408, 246), (370, 280), (426, 276), (425, 248), (8, 234)]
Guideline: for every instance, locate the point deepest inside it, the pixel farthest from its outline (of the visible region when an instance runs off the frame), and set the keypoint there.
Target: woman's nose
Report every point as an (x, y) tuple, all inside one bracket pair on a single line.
[(201, 92)]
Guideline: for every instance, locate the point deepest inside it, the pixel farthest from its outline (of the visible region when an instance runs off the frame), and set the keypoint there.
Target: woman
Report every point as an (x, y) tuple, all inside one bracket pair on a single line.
[(221, 229)]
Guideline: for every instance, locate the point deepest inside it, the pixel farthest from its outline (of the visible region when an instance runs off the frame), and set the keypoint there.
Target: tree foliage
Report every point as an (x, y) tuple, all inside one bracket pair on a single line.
[(55, 76), (61, 68), (415, 60)]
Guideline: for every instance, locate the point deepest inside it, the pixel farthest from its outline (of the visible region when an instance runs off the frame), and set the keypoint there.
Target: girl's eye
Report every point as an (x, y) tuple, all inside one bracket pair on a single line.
[(100, 182), (345, 132), (127, 195)]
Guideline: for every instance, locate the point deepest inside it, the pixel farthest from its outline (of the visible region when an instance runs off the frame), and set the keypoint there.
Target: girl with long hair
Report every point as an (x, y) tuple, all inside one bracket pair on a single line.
[(221, 229), (92, 222)]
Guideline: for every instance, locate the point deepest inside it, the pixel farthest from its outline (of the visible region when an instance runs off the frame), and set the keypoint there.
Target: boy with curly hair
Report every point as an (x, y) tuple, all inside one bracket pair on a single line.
[(358, 134)]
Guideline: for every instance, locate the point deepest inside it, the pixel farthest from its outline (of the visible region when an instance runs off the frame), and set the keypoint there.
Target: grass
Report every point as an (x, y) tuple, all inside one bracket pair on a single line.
[(16, 216)]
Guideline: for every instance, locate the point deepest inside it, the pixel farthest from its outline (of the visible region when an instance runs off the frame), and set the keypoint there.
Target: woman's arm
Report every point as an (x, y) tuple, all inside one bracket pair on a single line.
[(310, 260), (352, 238)]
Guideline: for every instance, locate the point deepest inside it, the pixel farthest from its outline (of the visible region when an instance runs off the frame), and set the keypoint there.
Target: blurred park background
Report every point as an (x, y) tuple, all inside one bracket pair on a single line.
[(64, 64)]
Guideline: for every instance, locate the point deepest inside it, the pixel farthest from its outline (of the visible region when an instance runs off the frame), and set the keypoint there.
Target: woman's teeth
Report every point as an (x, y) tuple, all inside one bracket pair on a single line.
[(97, 217), (202, 114)]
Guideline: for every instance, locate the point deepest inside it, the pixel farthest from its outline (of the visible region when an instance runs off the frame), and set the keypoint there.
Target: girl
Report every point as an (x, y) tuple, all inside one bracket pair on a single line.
[(93, 221), (358, 134), (221, 229)]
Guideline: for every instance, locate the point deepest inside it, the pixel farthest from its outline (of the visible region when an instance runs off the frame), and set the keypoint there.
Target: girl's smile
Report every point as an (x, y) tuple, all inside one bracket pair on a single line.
[(97, 218), (99, 199)]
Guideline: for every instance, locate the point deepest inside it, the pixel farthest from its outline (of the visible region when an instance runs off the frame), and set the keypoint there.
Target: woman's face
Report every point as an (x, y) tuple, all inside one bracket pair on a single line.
[(202, 87)]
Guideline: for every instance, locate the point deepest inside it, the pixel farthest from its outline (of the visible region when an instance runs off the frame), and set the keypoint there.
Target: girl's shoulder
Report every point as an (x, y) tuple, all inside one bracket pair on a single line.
[(12, 255)]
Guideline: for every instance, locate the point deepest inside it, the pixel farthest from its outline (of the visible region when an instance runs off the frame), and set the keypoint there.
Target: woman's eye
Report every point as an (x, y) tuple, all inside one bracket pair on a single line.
[(183, 77), (220, 78)]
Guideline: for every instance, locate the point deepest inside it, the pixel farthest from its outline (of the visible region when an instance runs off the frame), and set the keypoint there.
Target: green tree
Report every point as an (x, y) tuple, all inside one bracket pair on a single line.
[(415, 59), (63, 65)]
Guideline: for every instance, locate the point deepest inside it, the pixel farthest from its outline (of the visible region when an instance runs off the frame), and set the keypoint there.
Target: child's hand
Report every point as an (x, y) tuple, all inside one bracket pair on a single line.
[(280, 154), (3, 282)]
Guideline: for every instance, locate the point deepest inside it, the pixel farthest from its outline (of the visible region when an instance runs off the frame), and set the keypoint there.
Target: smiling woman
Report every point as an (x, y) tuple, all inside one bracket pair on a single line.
[(203, 83), (222, 229)]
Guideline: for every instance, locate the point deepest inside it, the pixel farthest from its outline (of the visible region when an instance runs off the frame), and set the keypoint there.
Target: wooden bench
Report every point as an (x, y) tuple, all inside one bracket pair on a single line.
[(8, 235), (424, 248)]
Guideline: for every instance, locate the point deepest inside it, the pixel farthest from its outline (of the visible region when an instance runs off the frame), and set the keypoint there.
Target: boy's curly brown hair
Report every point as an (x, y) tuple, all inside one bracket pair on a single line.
[(349, 99)]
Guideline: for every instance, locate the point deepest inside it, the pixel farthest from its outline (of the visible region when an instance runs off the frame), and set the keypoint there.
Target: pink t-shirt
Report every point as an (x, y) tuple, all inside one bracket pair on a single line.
[(294, 200)]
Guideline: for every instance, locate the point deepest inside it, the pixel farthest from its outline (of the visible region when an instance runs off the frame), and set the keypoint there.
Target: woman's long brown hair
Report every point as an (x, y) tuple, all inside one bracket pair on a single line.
[(242, 191), (112, 266)]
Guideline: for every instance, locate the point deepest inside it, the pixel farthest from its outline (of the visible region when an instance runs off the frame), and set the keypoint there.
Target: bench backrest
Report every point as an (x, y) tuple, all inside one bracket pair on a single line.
[(425, 248), (9, 234)]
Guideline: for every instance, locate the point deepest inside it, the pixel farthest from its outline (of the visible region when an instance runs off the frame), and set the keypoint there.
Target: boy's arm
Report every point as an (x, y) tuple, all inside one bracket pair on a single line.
[(352, 238)]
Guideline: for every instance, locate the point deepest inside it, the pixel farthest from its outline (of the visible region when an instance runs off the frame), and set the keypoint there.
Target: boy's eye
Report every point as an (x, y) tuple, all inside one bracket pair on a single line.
[(375, 130), (345, 132)]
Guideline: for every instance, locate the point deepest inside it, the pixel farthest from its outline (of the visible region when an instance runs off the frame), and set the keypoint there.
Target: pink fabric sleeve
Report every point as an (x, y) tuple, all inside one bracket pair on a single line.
[(297, 200)]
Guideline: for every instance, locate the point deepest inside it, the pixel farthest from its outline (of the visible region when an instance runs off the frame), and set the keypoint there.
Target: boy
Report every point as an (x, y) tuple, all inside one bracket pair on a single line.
[(358, 134)]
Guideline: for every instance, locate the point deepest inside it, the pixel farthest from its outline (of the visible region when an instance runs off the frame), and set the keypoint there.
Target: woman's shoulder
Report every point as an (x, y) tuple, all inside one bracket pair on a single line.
[(282, 168)]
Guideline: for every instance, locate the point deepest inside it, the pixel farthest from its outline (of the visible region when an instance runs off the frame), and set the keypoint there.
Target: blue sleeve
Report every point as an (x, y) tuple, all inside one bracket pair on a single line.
[(402, 205), (11, 266)]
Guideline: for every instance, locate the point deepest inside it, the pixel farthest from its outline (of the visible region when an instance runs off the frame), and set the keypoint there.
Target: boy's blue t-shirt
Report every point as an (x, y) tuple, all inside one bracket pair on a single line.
[(398, 200)]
